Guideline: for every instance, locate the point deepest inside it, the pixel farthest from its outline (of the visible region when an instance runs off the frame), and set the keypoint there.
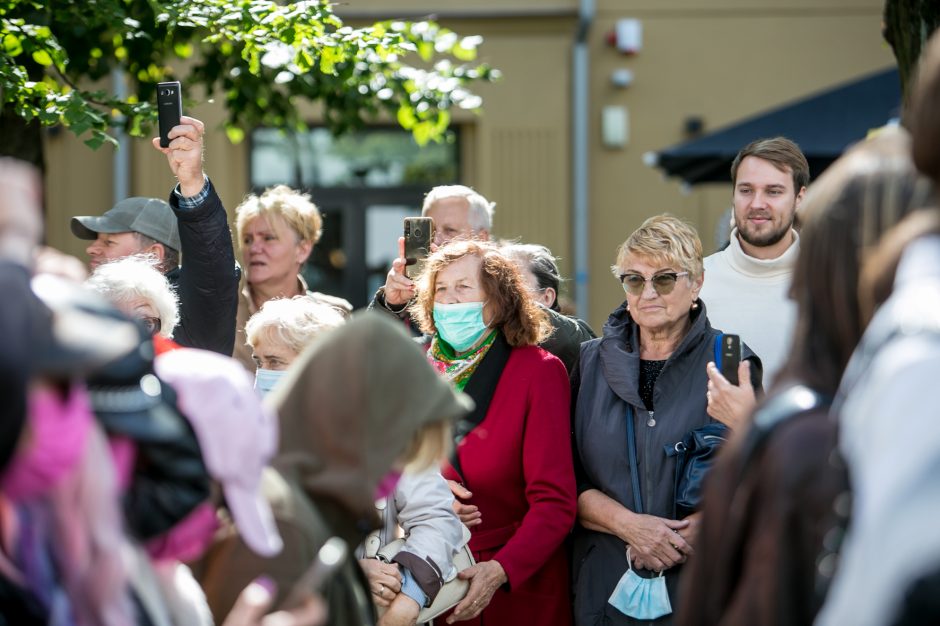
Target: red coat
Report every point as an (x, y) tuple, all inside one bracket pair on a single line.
[(517, 463)]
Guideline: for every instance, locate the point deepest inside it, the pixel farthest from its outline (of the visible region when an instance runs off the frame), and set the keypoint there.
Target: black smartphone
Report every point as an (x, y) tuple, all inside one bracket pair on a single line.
[(729, 357), (330, 557), (169, 109), (419, 233)]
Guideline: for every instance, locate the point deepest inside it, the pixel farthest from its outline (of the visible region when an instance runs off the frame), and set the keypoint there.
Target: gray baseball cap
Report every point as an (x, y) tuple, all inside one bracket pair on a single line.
[(148, 216)]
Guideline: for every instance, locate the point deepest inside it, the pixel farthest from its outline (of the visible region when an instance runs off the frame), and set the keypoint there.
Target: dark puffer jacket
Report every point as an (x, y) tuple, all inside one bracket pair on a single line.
[(568, 333), (605, 382), (207, 283)]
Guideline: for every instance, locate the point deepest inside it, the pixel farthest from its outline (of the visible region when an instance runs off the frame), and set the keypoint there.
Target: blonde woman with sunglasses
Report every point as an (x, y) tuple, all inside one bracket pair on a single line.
[(649, 367)]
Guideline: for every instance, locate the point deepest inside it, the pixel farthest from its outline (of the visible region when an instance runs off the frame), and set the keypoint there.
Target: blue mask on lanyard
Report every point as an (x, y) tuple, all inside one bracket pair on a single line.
[(460, 324), (640, 598), (266, 379)]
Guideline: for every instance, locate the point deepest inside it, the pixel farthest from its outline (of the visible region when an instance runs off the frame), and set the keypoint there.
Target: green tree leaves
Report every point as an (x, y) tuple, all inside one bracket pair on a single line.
[(263, 57)]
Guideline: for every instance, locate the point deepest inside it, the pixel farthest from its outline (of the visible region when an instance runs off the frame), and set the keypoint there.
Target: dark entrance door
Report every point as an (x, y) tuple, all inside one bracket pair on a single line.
[(365, 184), (360, 239)]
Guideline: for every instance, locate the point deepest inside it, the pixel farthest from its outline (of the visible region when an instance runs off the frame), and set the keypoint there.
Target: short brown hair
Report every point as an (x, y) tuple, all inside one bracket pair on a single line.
[(782, 153), (923, 116), (522, 321)]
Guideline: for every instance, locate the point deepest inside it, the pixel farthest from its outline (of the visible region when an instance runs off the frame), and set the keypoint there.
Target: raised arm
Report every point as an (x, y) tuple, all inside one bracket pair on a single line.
[(208, 285)]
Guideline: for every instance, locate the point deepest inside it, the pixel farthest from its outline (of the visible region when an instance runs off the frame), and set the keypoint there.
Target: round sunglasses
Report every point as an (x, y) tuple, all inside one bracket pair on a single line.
[(663, 282)]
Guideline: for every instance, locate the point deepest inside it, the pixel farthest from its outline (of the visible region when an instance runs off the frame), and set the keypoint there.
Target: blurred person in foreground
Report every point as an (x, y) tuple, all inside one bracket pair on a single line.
[(511, 468), (358, 408), (890, 564), (419, 505), (65, 557), (58, 493), (194, 224), (280, 331), (277, 232), (62, 536), (237, 438), (543, 279), (770, 521), (649, 367), (20, 233)]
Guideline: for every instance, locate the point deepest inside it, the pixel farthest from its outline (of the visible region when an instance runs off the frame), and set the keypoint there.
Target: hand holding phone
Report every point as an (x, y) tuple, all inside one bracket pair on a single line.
[(419, 233), (729, 358), (169, 109), (185, 157), (730, 400)]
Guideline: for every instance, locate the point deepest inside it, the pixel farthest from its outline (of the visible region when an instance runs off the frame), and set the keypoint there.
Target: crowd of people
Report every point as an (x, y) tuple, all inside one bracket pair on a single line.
[(187, 440)]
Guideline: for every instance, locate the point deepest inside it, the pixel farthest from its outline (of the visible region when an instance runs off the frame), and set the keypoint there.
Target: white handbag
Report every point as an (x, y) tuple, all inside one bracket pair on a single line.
[(452, 592)]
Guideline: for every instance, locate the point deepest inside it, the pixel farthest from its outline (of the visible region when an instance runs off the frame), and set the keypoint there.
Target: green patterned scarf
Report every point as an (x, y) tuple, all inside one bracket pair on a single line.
[(457, 370)]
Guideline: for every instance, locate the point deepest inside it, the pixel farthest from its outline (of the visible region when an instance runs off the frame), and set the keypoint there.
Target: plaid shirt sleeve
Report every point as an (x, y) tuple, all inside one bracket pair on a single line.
[(194, 202)]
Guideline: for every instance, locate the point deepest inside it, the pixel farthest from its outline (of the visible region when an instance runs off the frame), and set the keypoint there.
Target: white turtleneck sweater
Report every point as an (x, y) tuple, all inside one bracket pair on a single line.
[(748, 297)]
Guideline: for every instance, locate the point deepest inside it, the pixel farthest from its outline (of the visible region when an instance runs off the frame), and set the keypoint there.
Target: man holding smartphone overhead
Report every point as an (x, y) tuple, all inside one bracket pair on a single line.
[(458, 212), (193, 224)]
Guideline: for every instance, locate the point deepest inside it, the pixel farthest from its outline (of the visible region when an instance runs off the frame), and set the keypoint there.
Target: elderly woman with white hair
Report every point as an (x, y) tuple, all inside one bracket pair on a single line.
[(280, 331), (136, 287)]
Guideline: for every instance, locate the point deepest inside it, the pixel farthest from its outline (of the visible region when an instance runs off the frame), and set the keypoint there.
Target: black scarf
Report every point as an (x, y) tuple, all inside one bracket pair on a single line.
[(481, 387)]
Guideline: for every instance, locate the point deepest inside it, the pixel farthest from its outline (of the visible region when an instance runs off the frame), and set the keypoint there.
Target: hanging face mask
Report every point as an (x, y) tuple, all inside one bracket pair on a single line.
[(460, 324), (640, 598), (387, 485), (59, 428), (265, 380)]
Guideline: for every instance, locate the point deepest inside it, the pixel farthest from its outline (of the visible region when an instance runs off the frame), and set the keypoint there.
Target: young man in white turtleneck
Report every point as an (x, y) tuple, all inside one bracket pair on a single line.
[(746, 284)]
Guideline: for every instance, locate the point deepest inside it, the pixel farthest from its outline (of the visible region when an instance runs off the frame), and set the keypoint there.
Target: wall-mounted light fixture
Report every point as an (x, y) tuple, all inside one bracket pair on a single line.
[(615, 126)]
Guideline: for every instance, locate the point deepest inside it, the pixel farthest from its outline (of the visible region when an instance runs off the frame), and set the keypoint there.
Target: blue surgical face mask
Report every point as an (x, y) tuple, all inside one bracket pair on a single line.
[(266, 379), (461, 324), (641, 598)]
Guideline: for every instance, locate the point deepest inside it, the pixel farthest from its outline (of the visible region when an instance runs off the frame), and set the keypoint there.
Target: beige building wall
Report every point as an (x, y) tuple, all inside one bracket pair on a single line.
[(720, 60)]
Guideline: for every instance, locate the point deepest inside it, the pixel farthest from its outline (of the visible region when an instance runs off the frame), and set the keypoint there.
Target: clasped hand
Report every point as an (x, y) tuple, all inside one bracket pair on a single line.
[(657, 543)]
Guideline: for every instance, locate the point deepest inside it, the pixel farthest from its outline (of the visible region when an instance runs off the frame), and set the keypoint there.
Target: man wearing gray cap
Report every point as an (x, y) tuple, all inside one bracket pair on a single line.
[(194, 224)]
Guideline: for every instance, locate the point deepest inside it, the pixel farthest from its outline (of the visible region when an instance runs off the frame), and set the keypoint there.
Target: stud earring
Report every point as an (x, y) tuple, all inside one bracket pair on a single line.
[(694, 305)]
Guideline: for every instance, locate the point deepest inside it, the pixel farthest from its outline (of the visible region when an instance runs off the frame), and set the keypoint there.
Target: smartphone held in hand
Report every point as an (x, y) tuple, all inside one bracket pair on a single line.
[(169, 109), (419, 233), (729, 357)]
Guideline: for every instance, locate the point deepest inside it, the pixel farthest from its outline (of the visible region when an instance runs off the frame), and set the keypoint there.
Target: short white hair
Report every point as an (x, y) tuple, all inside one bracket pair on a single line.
[(481, 209), (292, 322), (137, 276)]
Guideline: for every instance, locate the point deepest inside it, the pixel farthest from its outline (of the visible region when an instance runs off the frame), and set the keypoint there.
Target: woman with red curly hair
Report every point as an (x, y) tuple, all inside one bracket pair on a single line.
[(511, 469)]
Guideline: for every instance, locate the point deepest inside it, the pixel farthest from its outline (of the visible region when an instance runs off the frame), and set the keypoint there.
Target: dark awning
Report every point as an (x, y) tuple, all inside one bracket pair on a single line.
[(823, 125)]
